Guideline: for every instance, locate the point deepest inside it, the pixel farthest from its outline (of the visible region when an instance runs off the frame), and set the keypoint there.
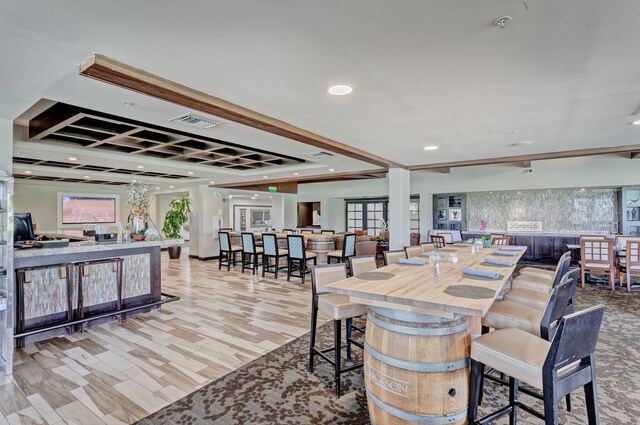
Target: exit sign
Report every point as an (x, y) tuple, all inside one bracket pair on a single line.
[(273, 189)]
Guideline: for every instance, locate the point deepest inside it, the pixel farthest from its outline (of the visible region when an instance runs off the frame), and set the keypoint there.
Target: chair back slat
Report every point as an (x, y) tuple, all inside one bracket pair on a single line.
[(502, 240), (438, 241), (248, 243), (558, 303), (361, 264), (223, 238), (633, 254), (296, 246), (349, 245), (325, 274), (598, 251), (270, 244), (575, 338)]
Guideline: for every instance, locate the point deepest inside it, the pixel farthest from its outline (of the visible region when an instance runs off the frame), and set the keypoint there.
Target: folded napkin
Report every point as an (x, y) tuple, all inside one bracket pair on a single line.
[(474, 272), (425, 254), (412, 261), (504, 253), (498, 262), (513, 248)]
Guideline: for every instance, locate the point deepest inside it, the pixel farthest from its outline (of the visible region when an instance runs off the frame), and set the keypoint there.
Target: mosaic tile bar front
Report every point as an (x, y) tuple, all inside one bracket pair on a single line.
[(46, 293), (564, 211)]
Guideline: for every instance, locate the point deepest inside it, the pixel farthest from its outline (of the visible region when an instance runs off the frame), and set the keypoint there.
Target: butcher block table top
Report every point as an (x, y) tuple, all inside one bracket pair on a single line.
[(414, 288)]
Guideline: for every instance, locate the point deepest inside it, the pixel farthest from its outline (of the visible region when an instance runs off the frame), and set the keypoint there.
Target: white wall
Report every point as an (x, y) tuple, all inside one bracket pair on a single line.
[(41, 200), (6, 145), (594, 171)]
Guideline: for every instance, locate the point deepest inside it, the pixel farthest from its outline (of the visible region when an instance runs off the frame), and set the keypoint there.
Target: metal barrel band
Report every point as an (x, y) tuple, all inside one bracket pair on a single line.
[(418, 331), (418, 419), (439, 367), (407, 316)]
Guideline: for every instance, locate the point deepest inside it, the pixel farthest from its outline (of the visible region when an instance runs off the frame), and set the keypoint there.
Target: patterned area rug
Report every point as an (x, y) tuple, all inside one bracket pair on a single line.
[(277, 389)]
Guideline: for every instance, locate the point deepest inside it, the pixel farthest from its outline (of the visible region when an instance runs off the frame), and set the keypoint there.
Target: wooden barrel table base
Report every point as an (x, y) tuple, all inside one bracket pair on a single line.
[(321, 245), (416, 368)]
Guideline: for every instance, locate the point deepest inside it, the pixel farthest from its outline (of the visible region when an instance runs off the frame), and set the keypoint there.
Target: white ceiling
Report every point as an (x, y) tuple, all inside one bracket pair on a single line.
[(564, 74)]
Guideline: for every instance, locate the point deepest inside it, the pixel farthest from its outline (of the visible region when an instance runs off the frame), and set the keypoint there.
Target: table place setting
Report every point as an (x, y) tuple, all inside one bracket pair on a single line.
[(492, 262), (504, 253), (411, 262), (480, 274)]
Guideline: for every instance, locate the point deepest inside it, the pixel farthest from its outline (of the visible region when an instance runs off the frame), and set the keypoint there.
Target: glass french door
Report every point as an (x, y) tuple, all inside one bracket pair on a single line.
[(367, 215)]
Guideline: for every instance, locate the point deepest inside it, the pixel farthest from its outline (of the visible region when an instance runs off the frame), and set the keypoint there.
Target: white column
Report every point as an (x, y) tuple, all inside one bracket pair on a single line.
[(399, 193), (6, 145), (277, 212), (204, 222)]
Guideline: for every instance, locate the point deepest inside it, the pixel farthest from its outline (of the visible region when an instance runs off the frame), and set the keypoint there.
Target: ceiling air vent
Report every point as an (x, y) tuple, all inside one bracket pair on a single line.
[(321, 155), (195, 121)]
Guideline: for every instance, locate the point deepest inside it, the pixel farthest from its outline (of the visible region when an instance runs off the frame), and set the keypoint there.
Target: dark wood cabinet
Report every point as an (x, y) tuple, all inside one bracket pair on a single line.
[(529, 242), (560, 247), (544, 248)]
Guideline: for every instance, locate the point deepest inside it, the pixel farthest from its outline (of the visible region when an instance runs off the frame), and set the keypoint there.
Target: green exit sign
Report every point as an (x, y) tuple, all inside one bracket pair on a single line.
[(273, 189)]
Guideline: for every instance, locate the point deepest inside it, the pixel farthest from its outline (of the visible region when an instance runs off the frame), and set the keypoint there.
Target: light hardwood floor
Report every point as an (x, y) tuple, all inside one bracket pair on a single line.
[(119, 373)]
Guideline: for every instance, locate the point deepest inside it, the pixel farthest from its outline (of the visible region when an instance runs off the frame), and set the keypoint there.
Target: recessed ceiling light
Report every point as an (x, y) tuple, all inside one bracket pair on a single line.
[(157, 188), (295, 174), (134, 181), (340, 90), (190, 173), (264, 177), (637, 122), (72, 158), (212, 182), (431, 148), (523, 143), (270, 197), (86, 177), (583, 189), (332, 169), (27, 172), (253, 197), (256, 195), (141, 166), (171, 187)]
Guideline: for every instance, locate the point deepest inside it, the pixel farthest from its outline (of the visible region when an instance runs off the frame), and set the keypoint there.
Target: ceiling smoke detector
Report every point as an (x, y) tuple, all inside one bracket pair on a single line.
[(193, 120), (502, 21)]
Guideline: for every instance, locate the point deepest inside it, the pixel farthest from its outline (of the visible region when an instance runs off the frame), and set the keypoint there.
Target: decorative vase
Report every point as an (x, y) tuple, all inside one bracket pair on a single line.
[(138, 226), (486, 243), (174, 252)]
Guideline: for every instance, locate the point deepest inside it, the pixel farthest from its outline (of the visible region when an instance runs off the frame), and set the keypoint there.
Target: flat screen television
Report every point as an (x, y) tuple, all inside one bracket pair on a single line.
[(23, 227), (88, 209)]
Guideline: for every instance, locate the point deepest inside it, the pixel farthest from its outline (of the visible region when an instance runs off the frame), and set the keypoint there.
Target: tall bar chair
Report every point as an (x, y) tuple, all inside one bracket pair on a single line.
[(427, 247), (327, 232), (339, 308), (438, 241), (413, 251), (251, 254), (542, 283), (557, 367), (362, 264), (272, 252), (227, 255), (597, 258), (307, 231), (543, 273), (348, 250), (298, 257), (630, 266)]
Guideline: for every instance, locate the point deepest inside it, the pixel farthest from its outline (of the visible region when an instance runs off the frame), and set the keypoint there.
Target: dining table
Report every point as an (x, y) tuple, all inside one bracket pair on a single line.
[(417, 337)]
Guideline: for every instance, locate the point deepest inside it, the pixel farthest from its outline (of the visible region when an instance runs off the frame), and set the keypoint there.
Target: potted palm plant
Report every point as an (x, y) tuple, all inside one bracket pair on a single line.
[(177, 215)]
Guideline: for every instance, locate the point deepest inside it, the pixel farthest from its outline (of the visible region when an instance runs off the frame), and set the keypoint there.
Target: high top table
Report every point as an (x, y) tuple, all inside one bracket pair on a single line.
[(417, 342)]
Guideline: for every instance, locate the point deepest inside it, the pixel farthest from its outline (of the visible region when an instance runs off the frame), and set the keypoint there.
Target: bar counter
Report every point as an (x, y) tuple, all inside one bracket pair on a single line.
[(85, 279)]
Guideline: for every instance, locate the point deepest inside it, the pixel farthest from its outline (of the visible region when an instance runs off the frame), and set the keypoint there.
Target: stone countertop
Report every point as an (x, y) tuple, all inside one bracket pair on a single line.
[(502, 232), (91, 246)]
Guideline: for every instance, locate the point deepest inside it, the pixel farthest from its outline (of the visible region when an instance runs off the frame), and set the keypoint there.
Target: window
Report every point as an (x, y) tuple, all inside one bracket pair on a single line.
[(368, 214), (414, 214), (88, 209)]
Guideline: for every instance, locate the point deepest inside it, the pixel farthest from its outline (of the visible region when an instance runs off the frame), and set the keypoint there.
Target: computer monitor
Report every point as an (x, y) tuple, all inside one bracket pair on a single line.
[(23, 227)]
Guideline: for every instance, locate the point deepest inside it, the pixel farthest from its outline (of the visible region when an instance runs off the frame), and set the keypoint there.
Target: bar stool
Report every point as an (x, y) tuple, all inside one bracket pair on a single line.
[(557, 368), (542, 283), (250, 252), (306, 231), (227, 251), (348, 250), (438, 241), (413, 251), (339, 308), (271, 251), (537, 299), (362, 264), (298, 257), (543, 273), (392, 257)]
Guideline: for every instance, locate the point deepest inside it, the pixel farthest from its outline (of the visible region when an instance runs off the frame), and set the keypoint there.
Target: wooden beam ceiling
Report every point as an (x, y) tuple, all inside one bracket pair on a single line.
[(523, 159), (634, 155), (110, 71)]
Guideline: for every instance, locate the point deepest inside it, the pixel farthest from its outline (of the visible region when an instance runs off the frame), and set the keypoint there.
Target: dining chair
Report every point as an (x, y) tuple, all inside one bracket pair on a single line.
[(272, 252), (630, 266), (307, 231), (414, 238), (413, 251), (298, 257), (339, 308), (438, 241), (361, 264), (557, 367), (327, 232), (448, 236), (348, 250), (427, 247), (366, 248), (597, 258), (392, 257), (226, 229), (502, 240), (543, 273), (227, 255), (251, 254), (287, 230)]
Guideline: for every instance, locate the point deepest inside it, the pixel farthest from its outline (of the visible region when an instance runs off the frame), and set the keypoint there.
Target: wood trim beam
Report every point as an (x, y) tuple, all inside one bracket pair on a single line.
[(530, 157), (119, 74), (371, 174), (634, 155)]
